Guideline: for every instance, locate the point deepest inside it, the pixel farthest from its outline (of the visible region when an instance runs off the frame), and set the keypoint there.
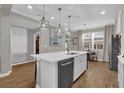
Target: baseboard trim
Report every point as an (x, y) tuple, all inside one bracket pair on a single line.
[(23, 62), (5, 74)]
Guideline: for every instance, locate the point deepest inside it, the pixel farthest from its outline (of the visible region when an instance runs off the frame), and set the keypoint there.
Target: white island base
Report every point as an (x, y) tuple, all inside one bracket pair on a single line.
[(47, 72)]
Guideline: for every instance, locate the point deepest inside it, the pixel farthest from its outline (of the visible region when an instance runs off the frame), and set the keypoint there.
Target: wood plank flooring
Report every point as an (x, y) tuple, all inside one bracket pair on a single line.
[(22, 76), (98, 75)]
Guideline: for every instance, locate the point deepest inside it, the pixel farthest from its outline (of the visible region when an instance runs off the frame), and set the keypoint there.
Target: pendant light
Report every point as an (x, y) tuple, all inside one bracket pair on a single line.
[(85, 28), (44, 23), (60, 28), (69, 29)]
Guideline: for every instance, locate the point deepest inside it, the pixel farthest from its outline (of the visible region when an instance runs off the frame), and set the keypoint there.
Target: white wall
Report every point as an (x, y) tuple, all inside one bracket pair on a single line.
[(5, 65), (0, 46), (18, 39), (119, 23), (122, 31)]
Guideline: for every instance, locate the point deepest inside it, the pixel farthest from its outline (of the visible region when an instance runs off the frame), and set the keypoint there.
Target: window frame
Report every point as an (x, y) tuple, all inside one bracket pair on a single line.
[(99, 42)]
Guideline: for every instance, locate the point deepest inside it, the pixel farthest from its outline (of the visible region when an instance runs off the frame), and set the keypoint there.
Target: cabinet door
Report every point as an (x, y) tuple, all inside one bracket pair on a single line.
[(120, 74), (77, 67), (85, 62), (82, 65)]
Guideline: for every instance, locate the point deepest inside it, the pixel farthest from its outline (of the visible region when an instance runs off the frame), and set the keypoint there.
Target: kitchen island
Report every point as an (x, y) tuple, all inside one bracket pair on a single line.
[(58, 69)]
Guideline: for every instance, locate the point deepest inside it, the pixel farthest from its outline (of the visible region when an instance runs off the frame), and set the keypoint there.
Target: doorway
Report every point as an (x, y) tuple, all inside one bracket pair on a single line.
[(36, 43)]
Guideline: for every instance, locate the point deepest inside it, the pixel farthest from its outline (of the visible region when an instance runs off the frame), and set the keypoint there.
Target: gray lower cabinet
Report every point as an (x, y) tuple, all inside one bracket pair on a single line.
[(65, 73)]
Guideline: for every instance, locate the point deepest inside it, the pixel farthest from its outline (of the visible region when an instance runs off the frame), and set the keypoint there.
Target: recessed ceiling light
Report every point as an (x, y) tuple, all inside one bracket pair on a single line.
[(65, 24), (103, 12), (29, 7), (52, 18)]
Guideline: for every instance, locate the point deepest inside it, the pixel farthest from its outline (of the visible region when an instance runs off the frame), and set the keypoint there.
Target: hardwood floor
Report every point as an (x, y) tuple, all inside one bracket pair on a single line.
[(22, 76), (98, 75)]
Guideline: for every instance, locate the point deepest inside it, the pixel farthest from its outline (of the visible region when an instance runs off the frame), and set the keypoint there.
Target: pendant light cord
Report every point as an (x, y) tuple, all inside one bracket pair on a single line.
[(59, 15), (69, 20), (43, 9), (84, 27)]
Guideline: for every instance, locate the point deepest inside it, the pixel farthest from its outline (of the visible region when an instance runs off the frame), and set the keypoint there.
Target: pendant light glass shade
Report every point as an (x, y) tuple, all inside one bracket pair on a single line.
[(60, 28), (68, 32), (44, 23)]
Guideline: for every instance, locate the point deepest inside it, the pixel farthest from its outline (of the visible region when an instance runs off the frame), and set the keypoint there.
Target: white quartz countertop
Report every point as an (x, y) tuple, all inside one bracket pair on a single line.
[(121, 59), (57, 56)]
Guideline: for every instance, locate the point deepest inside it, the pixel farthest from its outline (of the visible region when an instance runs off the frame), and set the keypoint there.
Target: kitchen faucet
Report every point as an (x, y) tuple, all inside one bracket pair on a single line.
[(67, 46)]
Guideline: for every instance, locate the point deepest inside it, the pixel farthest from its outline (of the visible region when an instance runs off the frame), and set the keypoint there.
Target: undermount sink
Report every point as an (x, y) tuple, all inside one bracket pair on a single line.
[(72, 53)]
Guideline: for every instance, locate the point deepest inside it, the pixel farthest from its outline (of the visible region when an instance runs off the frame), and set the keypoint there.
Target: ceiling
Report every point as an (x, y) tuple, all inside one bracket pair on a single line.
[(81, 14)]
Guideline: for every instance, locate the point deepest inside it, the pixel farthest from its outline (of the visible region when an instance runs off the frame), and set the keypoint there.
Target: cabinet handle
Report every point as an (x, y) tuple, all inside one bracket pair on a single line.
[(64, 64)]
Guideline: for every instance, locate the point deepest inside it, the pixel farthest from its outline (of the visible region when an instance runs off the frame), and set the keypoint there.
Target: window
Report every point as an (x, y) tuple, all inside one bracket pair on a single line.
[(18, 40), (93, 40)]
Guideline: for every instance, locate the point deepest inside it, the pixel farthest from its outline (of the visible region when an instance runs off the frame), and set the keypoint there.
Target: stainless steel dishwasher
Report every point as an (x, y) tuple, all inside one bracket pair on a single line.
[(65, 73)]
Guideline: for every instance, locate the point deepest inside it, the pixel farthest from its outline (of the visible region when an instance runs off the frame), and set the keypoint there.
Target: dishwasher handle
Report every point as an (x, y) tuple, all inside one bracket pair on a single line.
[(67, 63)]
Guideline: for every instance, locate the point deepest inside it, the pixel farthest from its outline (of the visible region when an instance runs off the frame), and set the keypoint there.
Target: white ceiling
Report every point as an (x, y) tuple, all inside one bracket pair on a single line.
[(81, 13)]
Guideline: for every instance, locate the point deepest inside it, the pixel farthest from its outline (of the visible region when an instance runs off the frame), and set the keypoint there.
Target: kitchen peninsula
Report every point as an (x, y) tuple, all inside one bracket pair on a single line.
[(58, 69)]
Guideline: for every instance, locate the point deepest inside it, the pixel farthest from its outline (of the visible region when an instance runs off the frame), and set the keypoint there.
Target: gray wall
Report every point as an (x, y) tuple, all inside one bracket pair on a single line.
[(74, 35), (22, 21), (45, 42), (120, 28), (30, 44), (78, 35), (118, 23), (97, 29)]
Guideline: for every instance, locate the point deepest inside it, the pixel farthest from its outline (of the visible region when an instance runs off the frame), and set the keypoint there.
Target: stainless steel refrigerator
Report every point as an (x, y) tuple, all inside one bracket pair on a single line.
[(114, 51)]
